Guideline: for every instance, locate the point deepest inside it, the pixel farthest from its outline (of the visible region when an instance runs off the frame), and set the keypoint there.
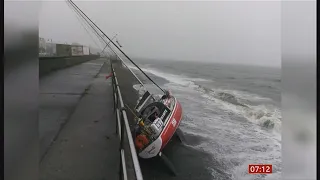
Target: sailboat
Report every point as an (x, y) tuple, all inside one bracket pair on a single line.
[(157, 122), (158, 117)]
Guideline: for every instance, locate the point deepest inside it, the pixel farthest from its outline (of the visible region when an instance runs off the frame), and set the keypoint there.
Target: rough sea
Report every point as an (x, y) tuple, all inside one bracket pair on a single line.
[(231, 111)]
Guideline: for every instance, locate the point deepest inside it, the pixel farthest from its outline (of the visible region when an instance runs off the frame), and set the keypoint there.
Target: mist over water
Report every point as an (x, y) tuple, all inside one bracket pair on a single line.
[(234, 111)]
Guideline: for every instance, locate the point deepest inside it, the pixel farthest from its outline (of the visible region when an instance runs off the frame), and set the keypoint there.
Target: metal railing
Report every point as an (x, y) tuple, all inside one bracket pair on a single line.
[(118, 57), (122, 126)]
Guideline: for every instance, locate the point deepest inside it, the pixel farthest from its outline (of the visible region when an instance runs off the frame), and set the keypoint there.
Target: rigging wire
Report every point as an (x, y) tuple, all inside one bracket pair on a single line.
[(101, 39), (109, 43), (115, 45), (113, 51), (82, 24)]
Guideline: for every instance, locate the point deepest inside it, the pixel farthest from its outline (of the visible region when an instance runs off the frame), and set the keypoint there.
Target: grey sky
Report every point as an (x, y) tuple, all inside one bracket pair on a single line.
[(229, 32)]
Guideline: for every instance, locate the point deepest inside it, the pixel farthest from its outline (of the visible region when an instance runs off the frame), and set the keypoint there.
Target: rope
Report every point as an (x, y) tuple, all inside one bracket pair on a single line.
[(82, 24), (132, 111)]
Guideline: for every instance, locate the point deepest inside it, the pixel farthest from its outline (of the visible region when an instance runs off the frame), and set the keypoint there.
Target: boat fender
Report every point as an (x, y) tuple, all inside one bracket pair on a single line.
[(141, 141)]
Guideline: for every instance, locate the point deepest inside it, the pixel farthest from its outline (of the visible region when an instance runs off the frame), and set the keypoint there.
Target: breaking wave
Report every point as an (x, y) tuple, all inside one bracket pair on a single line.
[(178, 79), (238, 102)]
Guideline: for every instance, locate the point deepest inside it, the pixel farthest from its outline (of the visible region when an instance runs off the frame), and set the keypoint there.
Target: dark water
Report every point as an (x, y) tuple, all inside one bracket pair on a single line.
[(231, 112)]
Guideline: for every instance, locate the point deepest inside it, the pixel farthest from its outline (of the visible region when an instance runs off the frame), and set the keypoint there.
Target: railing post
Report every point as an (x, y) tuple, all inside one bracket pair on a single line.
[(116, 96), (115, 100), (122, 130), (113, 87), (117, 124), (120, 166), (121, 145)]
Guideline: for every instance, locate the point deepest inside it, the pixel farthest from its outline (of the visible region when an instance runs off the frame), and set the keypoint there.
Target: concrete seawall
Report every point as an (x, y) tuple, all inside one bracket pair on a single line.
[(49, 64)]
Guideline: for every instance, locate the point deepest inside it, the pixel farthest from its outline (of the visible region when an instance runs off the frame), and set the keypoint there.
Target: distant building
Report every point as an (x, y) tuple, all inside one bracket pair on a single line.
[(42, 45), (63, 50), (48, 48), (76, 50), (51, 49), (85, 50)]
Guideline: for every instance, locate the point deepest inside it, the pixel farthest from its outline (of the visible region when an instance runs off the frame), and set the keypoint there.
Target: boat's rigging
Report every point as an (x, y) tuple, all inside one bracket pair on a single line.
[(127, 66), (87, 18), (87, 24), (83, 24), (107, 45), (133, 113), (118, 42)]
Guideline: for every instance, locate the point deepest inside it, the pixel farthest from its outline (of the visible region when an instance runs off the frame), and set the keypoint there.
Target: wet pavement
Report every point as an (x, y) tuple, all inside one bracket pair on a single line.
[(60, 91), (76, 113)]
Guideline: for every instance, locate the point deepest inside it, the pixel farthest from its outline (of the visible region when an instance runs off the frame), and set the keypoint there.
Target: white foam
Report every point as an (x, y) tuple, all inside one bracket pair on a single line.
[(256, 114), (243, 95), (178, 79)]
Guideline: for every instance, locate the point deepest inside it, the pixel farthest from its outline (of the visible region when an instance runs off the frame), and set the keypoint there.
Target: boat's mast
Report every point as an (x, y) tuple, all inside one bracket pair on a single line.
[(114, 44)]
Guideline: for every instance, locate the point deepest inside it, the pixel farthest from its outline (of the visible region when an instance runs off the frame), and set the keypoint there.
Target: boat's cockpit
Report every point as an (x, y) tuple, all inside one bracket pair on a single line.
[(150, 113), (155, 110), (149, 108)]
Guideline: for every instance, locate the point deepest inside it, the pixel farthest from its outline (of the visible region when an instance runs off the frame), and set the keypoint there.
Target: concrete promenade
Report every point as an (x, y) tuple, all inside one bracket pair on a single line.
[(77, 124)]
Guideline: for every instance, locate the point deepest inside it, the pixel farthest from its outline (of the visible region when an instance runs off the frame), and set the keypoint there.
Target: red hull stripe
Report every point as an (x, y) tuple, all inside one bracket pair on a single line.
[(171, 126)]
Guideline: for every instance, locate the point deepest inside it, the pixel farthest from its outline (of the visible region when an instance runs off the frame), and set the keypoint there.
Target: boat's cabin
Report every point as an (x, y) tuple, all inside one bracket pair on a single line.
[(149, 108), (155, 110)]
